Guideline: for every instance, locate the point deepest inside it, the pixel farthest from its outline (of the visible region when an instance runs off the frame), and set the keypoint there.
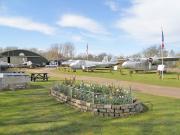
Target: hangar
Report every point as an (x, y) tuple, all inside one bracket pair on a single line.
[(20, 56)]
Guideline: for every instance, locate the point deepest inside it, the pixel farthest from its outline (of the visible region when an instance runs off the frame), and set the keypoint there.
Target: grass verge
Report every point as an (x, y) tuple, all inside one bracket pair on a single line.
[(34, 112), (170, 79)]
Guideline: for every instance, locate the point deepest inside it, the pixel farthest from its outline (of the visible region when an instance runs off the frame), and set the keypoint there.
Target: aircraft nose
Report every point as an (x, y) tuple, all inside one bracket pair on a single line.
[(124, 65), (72, 64)]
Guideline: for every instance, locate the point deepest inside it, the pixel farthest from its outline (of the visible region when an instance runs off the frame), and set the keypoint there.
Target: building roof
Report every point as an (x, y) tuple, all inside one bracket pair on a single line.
[(35, 58)]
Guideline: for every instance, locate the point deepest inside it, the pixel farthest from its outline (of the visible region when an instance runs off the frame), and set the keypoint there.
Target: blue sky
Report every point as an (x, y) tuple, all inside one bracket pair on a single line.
[(119, 27)]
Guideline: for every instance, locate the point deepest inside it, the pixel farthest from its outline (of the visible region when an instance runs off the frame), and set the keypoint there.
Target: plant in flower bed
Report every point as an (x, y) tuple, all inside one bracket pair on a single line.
[(94, 93)]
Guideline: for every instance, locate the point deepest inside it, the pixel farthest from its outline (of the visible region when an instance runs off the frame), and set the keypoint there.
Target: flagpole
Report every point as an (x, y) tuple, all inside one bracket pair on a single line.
[(87, 51), (162, 75), (162, 47)]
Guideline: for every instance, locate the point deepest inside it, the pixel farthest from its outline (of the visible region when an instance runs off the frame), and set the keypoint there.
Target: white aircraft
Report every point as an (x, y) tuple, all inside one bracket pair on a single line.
[(91, 65), (146, 64), (67, 63), (27, 63)]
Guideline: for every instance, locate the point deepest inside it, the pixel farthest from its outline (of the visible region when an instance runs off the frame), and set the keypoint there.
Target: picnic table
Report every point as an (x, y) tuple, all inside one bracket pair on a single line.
[(39, 76)]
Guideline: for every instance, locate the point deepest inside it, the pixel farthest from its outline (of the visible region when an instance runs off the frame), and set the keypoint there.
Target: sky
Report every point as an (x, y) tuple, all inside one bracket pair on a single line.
[(117, 27)]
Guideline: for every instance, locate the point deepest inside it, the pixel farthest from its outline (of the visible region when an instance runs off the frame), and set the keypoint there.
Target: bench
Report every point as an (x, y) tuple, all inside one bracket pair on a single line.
[(39, 76)]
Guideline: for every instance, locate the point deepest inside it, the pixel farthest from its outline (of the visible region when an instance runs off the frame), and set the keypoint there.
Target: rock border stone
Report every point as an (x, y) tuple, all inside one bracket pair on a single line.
[(100, 109)]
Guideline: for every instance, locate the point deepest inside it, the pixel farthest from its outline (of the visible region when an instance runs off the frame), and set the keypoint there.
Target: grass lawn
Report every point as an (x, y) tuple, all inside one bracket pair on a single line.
[(34, 112), (170, 79)]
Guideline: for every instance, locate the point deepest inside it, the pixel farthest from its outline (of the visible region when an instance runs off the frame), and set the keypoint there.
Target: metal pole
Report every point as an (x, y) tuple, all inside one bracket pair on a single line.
[(162, 76), (162, 47), (87, 47)]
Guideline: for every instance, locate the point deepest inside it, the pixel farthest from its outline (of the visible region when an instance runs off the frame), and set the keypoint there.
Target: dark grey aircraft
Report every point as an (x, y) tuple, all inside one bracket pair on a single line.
[(4, 65), (147, 64)]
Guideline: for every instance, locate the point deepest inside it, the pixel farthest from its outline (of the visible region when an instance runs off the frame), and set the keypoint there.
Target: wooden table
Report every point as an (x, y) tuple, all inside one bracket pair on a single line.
[(39, 76)]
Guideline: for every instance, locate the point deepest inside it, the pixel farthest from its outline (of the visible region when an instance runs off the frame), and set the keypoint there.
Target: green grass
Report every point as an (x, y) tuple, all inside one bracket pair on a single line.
[(34, 112), (170, 79)]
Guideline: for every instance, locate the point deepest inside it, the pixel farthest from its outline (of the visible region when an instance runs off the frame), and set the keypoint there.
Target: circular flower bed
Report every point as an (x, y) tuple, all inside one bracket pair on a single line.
[(102, 100)]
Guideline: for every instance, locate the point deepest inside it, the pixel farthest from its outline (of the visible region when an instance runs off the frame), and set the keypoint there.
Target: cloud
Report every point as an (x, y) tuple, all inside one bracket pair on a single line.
[(81, 22), (26, 24), (112, 4), (143, 20), (77, 38)]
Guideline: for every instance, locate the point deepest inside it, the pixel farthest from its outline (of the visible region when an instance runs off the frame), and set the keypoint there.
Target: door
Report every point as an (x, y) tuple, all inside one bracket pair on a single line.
[(8, 59)]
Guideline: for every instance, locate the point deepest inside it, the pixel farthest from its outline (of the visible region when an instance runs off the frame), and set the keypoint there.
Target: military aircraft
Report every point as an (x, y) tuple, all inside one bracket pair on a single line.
[(4, 65), (67, 63), (146, 64), (91, 65), (27, 63)]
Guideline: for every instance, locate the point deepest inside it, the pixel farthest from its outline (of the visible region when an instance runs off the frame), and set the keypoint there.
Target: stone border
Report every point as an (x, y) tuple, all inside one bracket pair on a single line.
[(100, 109)]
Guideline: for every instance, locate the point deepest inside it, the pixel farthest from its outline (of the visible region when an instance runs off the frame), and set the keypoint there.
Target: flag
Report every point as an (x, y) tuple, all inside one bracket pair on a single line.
[(162, 45)]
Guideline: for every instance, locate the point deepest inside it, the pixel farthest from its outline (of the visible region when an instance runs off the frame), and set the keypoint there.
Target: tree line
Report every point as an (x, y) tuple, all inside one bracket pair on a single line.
[(64, 51)]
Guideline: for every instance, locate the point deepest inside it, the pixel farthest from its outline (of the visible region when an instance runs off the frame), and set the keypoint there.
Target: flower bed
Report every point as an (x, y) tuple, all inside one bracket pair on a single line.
[(100, 99)]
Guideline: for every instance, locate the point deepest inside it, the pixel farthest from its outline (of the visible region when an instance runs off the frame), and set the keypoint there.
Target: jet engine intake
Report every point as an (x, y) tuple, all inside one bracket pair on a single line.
[(153, 60)]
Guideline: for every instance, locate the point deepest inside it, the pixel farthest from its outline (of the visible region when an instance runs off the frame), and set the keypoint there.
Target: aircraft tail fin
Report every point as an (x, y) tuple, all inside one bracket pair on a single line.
[(23, 60), (113, 59), (105, 59)]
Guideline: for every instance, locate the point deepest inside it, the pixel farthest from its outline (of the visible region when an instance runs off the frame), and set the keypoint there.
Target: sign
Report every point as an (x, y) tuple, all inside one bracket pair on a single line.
[(1, 75), (115, 68), (160, 68)]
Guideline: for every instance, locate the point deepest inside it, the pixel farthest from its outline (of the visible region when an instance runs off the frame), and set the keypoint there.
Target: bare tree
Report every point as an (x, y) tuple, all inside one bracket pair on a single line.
[(137, 55), (154, 50), (59, 51), (53, 53), (151, 51), (101, 56), (68, 50), (172, 53)]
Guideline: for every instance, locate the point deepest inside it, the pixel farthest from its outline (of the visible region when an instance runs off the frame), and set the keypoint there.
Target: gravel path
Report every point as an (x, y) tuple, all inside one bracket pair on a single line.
[(144, 88)]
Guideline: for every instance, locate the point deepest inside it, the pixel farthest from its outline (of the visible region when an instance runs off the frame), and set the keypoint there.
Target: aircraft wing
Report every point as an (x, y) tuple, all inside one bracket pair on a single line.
[(67, 63), (90, 66), (170, 58), (122, 59)]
